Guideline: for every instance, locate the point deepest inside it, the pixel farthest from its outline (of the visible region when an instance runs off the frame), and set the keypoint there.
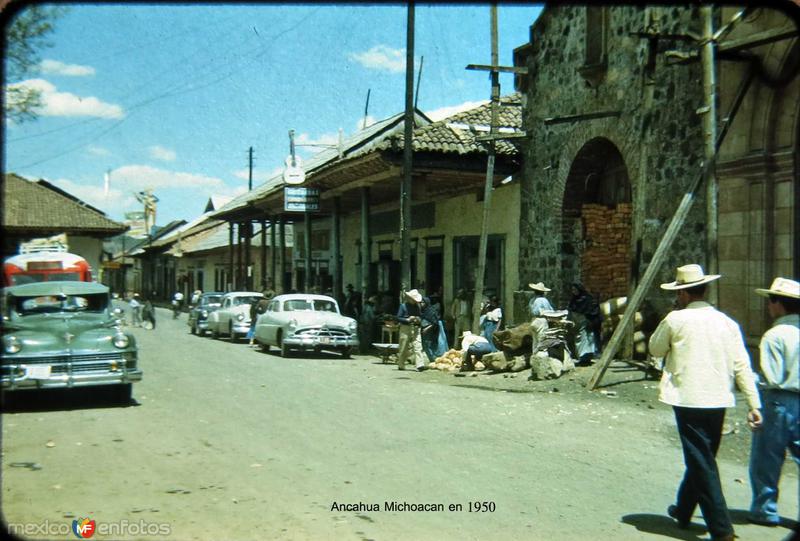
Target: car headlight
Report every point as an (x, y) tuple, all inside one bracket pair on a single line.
[(352, 326), (204, 313), (12, 344), (292, 324), (240, 317), (121, 340)]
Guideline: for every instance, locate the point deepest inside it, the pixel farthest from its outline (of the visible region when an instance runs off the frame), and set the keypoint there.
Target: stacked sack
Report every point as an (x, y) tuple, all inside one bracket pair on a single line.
[(613, 310)]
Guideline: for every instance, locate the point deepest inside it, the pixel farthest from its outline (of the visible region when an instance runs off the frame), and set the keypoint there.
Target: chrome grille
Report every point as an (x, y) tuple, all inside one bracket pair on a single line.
[(58, 359), (323, 332)]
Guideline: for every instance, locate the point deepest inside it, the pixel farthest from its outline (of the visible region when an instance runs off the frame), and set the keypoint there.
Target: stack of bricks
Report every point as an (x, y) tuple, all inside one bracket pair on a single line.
[(605, 259)]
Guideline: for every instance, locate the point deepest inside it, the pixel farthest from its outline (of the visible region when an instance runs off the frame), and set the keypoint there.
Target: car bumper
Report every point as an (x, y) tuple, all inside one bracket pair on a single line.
[(333, 342), (241, 327), (12, 383), (202, 325)]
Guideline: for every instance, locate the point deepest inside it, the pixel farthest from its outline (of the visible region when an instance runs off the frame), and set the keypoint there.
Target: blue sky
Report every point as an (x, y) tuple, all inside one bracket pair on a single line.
[(171, 97)]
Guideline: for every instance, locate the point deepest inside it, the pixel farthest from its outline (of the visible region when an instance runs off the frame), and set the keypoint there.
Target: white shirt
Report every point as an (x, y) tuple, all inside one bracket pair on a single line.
[(538, 305), (780, 354), (704, 352), (470, 339)]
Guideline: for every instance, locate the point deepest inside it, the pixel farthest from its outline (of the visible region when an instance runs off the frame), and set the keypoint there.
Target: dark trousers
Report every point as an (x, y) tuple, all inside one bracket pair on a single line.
[(700, 430)]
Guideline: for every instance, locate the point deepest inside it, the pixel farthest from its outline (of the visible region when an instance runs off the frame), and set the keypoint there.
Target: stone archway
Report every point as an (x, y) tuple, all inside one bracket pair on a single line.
[(597, 220)]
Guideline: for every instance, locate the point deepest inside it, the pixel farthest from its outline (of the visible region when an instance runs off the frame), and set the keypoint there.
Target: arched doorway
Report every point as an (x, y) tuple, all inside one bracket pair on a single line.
[(597, 221)]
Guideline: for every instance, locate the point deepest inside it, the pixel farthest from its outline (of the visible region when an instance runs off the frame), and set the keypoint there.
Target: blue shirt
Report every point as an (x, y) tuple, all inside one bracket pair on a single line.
[(780, 355)]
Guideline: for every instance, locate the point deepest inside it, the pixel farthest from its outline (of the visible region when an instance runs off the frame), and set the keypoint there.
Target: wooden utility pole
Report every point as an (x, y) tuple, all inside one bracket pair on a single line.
[(707, 56), (494, 69), (489, 185), (408, 150), (250, 173)]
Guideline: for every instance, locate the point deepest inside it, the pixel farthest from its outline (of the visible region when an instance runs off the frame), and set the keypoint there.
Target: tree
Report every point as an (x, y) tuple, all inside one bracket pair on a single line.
[(25, 37)]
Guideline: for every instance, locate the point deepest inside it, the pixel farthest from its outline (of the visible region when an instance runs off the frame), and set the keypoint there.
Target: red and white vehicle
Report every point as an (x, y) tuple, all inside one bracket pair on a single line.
[(45, 266)]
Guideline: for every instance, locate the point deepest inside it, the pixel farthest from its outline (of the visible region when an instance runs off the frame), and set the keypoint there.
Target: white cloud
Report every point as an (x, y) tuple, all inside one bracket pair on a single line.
[(98, 151), (141, 177), (360, 125), (383, 58), (55, 67), (161, 153), (324, 139), (444, 112), (56, 103), (116, 202)]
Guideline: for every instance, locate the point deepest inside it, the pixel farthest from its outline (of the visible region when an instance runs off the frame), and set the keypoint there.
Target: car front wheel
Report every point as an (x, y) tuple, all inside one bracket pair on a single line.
[(283, 346), (346, 352)]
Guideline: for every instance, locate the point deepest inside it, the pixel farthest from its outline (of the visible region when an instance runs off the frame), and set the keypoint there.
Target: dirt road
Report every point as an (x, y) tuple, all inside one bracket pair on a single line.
[(226, 442)]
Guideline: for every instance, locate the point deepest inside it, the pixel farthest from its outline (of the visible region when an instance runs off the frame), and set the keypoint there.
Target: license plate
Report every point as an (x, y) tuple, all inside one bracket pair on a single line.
[(39, 371), (324, 340)]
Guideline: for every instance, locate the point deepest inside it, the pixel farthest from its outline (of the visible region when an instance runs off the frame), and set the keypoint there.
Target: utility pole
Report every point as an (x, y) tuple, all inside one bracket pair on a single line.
[(408, 148), (250, 173), (707, 56), (419, 79), (487, 189), (366, 112), (494, 69)]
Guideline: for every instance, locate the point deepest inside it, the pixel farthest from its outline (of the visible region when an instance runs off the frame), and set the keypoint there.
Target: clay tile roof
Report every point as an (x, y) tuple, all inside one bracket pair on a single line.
[(457, 133), (40, 206)]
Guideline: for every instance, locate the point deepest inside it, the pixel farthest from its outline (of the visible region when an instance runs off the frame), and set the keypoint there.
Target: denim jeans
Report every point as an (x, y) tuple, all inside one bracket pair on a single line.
[(780, 431), (700, 430)]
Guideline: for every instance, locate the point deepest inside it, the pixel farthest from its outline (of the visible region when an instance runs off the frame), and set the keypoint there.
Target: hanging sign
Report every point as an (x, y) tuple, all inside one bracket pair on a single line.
[(300, 199)]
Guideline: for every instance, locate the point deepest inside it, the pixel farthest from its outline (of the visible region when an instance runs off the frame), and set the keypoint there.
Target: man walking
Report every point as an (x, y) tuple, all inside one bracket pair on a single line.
[(410, 340), (704, 353), (780, 392)]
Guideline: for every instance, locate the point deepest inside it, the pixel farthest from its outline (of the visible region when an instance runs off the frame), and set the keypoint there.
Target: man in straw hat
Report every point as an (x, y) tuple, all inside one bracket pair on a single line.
[(704, 352), (539, 302), (780, 390), (410, 340)]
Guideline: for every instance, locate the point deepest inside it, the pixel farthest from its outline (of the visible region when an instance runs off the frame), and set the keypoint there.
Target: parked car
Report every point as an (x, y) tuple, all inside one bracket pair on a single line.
[(198, 314), (306, 322), (65, 334), (233, 317)]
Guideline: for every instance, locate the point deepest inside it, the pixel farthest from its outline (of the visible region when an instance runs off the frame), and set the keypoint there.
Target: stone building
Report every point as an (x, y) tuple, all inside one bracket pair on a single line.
[(616, 126)]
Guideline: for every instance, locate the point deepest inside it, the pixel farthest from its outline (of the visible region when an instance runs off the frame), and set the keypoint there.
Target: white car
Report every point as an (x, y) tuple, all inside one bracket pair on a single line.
[(233, 317), (306, 322)]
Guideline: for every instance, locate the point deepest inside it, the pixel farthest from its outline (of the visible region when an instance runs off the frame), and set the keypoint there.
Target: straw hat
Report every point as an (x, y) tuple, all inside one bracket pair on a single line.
[(539, 286), (415, 295), (689, 276), (782, 287)]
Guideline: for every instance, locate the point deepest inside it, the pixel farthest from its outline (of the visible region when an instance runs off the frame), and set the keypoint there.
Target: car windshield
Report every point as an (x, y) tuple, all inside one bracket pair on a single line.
[(324, 306), (211, 299), (60, 303), (309, 305), (298, 305), (245, 300)]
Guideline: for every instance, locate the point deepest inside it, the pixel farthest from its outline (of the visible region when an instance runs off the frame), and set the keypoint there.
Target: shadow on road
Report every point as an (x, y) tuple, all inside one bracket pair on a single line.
[(739, 516), (663, 525), (64, 399)]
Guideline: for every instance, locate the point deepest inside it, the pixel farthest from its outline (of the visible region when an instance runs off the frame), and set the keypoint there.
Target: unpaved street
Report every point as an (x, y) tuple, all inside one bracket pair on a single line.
[(227, 442)]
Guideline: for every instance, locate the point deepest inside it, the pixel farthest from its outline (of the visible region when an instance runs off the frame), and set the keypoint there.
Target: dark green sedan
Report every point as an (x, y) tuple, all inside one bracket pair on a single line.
[(64, 334)]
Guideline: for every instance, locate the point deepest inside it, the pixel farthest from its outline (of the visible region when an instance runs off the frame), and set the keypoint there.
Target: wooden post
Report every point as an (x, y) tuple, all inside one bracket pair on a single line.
[(264, 255), (336, 268), (228, 285), (283, 287), (308, 281), (707, 55), (273, 263), (365, 242), (248, 271), (487, 189), (408, 150)]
